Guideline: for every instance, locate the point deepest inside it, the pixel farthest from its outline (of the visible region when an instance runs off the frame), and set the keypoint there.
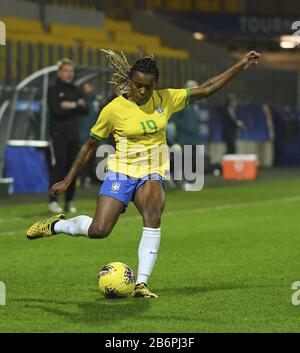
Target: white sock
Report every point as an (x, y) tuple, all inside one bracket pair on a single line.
[(74, 226), (148, 250)]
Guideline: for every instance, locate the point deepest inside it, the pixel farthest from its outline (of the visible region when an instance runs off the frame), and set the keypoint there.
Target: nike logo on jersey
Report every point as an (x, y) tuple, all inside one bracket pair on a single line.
[(160, 109)]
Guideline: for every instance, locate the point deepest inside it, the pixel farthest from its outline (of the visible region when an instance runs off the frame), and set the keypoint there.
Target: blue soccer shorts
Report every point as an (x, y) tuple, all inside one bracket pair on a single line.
[(123, 187)]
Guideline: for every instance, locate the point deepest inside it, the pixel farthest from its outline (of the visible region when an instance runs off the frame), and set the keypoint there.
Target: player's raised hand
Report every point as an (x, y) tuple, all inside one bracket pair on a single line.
[(59, 188), (252, 57)]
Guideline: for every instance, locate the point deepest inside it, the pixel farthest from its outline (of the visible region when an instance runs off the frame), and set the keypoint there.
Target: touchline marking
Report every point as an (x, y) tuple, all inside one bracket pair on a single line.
[(14, 219), (9, 233)]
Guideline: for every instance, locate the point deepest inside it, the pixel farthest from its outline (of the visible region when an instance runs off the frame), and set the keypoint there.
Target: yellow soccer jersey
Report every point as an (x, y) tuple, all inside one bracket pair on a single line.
[(140, 131)]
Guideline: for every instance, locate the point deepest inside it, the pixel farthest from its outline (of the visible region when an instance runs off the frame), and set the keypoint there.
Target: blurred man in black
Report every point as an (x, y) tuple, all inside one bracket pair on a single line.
[(66, 103), (231, 124)]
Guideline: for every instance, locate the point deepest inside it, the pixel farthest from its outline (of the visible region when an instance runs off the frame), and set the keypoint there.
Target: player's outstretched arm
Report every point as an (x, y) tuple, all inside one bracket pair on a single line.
[(83, 156), (215, 83)]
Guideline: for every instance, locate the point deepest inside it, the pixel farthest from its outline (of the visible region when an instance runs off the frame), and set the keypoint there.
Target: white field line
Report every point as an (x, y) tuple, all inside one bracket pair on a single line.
[(225, 207), (8, 233), (14, 219), (194, 210)]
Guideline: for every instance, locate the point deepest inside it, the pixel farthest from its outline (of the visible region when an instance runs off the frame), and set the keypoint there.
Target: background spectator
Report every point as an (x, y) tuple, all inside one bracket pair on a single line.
[(66, 102), (231, 123)]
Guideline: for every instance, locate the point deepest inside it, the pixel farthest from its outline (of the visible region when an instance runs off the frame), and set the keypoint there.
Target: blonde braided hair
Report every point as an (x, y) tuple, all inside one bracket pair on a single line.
[(122, 71)]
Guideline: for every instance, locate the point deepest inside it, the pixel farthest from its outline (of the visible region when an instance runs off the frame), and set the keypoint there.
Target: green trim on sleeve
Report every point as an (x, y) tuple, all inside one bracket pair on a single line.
[(187, 100), (98, 138)]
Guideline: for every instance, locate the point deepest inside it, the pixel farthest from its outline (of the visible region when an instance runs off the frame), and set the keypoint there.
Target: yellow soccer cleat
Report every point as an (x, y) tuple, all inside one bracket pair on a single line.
[(44, 228), (141, 291)]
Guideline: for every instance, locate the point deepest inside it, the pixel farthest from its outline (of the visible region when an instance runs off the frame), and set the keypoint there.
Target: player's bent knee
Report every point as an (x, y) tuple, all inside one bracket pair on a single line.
[(99, 232)]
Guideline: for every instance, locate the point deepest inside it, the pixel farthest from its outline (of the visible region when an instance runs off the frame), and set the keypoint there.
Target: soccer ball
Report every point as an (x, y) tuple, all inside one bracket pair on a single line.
[(116, 280)]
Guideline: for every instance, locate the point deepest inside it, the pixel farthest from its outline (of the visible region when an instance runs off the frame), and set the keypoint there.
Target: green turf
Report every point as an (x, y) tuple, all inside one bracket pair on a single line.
[(228, 258)]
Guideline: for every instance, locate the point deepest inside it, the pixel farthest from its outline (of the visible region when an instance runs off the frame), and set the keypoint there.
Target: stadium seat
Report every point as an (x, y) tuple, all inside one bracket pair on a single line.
[(118, 26), (19, 25), (82, 44), (75, 32)]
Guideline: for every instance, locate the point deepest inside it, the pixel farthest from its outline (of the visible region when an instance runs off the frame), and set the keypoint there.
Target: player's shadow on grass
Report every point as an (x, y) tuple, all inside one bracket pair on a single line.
[(101, 311), (196, 290)]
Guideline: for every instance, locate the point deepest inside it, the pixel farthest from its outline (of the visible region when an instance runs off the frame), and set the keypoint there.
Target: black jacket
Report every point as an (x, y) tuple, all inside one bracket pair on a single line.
[(229, 122), (64, 120)]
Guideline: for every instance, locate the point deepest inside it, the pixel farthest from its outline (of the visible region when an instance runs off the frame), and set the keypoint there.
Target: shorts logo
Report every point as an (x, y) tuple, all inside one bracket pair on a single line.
[(2, 33), (115, 187), (160, 109)]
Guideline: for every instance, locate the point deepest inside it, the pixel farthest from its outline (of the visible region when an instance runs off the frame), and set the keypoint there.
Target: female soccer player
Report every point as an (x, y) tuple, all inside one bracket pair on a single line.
[(137, 117)]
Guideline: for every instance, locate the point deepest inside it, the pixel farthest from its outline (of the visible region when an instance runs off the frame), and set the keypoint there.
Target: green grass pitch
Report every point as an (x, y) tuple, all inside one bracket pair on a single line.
[(228, 257)]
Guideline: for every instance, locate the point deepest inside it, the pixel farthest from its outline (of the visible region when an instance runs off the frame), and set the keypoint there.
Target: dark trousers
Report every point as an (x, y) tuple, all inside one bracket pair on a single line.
[(230, 146), (65, 147)]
